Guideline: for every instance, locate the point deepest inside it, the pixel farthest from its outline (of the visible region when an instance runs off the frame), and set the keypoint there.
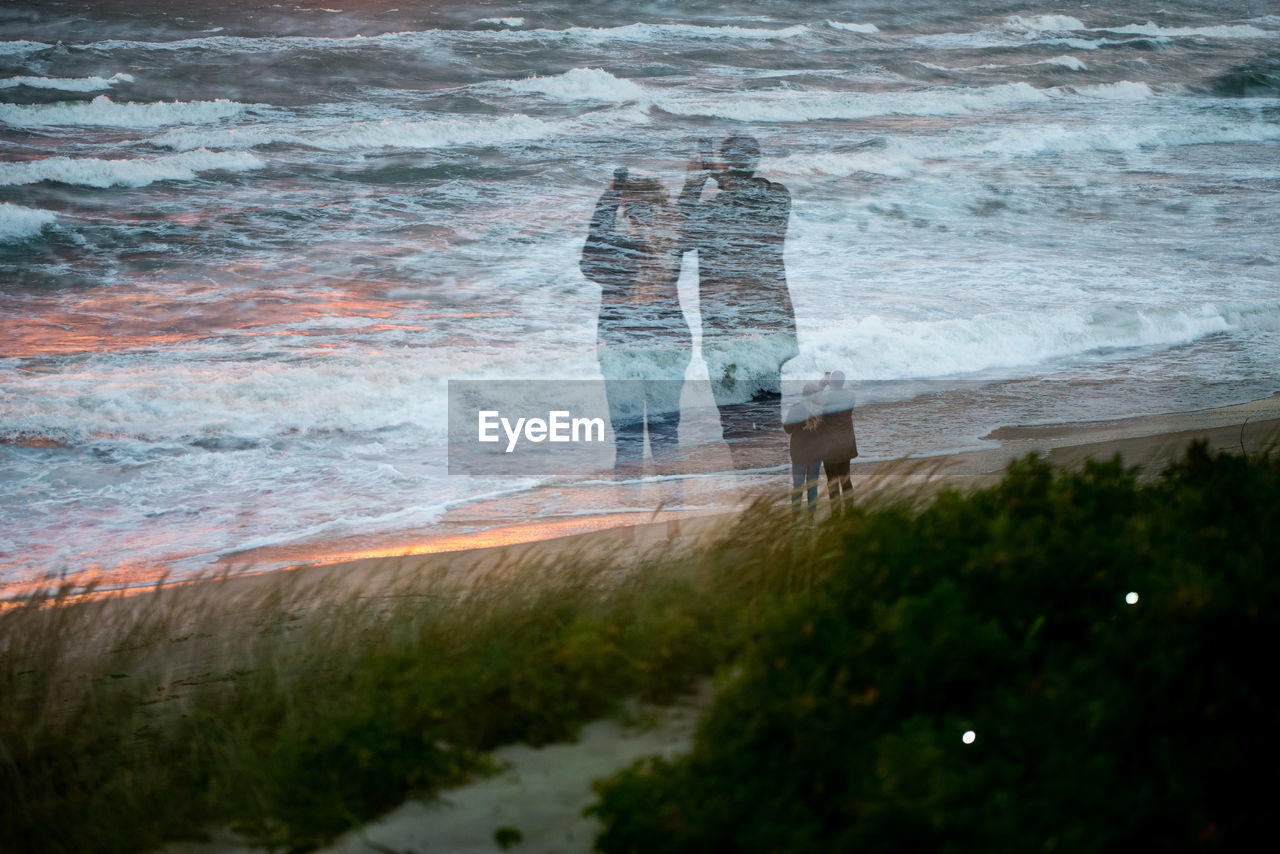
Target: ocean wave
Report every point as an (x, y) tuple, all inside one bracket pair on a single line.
[(644, 33), (791, 106), (1123, 90), (1043, 23), (18, 48), (866, 29), (1066, 62), (67, 84), (433, 134), (180, 397), (1009, 37), (579, 84), (230, 139), (19, 223), (103, 112), (1226, 31), (879, 349), (425, 39), (514, 23), (95, 172), (904, 158)]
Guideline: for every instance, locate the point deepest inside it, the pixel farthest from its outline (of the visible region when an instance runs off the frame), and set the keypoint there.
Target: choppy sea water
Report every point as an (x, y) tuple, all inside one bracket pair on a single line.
[(244, 247)]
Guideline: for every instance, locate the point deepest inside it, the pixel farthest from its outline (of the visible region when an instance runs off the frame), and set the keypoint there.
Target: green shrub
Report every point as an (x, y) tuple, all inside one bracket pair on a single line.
[(1100, 725)]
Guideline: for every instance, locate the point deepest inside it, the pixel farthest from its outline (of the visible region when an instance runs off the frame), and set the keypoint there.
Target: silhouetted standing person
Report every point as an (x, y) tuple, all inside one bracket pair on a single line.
[(803, 423), (748, 322), (643, 341), (839, 444)]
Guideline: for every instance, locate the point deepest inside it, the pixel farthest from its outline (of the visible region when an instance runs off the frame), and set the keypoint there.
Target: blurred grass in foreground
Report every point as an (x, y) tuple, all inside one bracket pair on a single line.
[(852, 657)]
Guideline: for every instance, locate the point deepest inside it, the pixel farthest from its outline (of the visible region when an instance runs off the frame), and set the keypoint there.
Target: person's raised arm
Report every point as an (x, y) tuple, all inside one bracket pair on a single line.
[(689, 203), (607, 255)]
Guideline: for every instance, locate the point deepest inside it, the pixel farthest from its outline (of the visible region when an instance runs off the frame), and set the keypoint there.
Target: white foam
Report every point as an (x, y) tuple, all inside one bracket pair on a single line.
[(428, 39), (19, 223), (1044, 23), (866, 29), (231, 139), (1124, 90), (902, 158), (1070, 62), (95, 172), (67, 84), (649, 33), (434, 134), (580, 84), (103, 112), (792, 106), (877, 348), (1236, 31), (17, 48), (514, 23)]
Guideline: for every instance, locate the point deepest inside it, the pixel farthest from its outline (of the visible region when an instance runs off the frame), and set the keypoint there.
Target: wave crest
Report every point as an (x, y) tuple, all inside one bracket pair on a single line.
[(103, 112), (580, 84), (19, 223), (96, 172)]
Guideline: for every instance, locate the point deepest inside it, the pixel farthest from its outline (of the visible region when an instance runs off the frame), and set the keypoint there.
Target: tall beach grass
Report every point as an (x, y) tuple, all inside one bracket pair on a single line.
[(847, 654)]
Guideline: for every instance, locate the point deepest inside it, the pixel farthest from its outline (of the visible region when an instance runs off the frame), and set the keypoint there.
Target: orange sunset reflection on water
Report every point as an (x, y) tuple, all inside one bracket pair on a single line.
[(104, 321)]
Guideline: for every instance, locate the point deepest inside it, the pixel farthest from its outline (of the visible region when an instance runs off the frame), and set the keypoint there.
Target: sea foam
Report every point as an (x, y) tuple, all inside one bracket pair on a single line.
[(1070, 62), (18, 48), (878, 348), (19, 223), (790, 106), (1043, 23), (96, 172), (866, 29), (433, 134), (103, 112), (1236, 31), (580, 84), (67, 84)]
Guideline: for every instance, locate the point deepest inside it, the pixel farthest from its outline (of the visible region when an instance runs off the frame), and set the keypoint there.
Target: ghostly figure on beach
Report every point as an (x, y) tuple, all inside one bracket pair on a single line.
[(748, 321), (643, 342)]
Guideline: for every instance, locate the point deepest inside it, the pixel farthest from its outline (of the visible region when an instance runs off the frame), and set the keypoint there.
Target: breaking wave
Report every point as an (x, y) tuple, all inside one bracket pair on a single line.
[(96, 172), (67, 84), (103, 112), (19, 223)]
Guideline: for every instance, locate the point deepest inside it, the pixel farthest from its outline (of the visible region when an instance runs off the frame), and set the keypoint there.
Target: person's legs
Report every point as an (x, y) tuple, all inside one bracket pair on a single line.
[(838, 483), (799, 480), (811, 474), (626, 416), (662, 413), (751, 427)]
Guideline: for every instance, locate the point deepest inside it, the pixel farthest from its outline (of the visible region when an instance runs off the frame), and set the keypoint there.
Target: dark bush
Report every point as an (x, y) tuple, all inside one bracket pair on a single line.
[(1099, 725)]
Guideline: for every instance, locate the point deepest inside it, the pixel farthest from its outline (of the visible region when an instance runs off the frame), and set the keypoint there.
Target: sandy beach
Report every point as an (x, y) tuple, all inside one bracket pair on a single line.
[(541, 792), (1146, 441)]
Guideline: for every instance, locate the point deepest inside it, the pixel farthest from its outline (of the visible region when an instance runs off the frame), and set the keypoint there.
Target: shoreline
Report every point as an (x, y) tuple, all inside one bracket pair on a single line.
[(1143, 440)]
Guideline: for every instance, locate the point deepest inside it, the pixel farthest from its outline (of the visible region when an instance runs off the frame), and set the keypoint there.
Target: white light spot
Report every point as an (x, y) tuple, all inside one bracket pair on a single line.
[(968, 737), (1132, 598)]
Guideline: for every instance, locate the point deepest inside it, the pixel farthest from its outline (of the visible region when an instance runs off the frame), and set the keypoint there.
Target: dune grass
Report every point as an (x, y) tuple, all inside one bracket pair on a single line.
[(848, 656), (291, 716)]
